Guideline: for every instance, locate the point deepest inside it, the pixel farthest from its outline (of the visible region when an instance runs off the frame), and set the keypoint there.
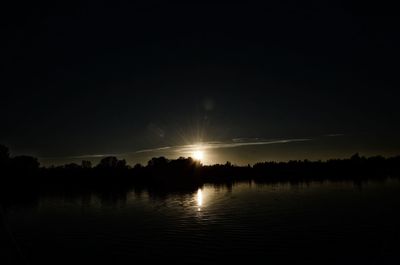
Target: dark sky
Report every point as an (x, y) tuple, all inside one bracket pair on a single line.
[(100, 78)]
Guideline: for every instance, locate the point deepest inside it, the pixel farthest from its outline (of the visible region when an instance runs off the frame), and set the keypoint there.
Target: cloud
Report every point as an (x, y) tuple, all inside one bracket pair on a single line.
[(187, 149), (153, 149), (238, 142)]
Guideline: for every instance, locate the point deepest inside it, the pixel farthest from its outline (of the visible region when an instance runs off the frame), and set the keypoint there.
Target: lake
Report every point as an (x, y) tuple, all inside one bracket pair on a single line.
[(283, 223)]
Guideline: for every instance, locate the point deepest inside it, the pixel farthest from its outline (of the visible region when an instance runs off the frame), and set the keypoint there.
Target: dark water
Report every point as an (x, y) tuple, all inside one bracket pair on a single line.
[(318, 223)]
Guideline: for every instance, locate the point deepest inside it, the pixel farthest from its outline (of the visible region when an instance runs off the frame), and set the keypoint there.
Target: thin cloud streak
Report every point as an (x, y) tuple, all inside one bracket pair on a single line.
[(153, 150), (80, 156), (219, 145), (184, 149)]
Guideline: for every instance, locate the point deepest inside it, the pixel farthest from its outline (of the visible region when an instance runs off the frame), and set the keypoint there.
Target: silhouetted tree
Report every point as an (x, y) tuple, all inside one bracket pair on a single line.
[(183, 173), (112, 162), (4, 152), (108, 162), (157, 162), (138, 166), (86, 164), (121, 164), (4, 155), (355, 157), (26, 163), (72, 166)]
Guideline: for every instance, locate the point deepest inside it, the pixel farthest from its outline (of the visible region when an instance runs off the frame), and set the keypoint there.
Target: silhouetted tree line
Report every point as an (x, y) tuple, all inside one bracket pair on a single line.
[(112, 175)]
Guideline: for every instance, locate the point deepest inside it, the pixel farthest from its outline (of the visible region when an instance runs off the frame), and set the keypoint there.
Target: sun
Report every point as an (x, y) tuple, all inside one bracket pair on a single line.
[(198, 155)]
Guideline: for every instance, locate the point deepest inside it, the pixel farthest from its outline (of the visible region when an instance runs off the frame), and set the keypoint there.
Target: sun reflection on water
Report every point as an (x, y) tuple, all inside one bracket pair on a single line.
[(199, 199)]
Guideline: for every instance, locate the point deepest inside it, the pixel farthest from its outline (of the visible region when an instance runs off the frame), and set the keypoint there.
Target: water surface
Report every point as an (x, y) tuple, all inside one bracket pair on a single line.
[(319, 223)]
